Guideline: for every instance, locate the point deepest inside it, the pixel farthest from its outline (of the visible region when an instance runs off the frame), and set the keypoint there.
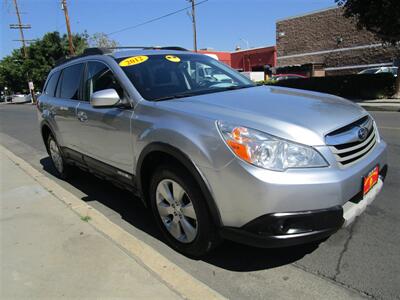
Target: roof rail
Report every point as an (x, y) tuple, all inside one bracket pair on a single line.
[(96, 50), (86, 52), (60, 61), (174, 48), (150, 48), (65, 59), (102, 51)]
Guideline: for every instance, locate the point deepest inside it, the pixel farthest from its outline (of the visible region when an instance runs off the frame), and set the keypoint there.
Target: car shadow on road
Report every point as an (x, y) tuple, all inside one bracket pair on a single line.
[(241, 258), (229, 255)]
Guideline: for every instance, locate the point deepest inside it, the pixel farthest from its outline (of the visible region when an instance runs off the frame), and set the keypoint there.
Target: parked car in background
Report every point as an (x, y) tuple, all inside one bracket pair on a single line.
[(279, 77), (378, 70), (255, 76), (261, 165), (5, 98), (21, 98)]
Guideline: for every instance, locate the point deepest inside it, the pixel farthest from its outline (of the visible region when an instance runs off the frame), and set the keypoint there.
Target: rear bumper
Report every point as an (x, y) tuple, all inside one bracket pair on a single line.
[(294, 228)]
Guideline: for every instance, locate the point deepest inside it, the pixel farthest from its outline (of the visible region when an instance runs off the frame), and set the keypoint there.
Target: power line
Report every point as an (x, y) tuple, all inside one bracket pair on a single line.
[(156, 19)]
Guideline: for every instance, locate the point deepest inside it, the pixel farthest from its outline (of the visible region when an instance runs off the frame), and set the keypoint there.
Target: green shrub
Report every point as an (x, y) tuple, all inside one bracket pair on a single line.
[(357, 86)]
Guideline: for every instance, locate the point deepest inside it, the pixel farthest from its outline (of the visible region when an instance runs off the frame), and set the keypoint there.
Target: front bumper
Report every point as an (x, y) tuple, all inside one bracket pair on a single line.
[(293, 228), (243, 192), (287, 229)]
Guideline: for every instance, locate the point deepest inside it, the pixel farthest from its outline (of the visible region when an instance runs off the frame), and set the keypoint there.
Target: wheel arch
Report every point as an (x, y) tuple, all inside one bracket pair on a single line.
[(156, 153)]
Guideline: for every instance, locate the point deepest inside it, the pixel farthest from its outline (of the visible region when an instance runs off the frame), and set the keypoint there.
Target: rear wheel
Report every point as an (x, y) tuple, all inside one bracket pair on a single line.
[(181, 212), (62, 168)]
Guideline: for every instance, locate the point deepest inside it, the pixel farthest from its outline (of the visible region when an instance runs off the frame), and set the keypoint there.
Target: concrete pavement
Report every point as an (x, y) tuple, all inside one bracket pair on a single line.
[(47, 251)]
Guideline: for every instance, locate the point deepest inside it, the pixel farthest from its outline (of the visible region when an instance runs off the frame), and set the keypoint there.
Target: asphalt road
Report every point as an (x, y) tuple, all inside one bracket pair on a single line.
[(365, 258)]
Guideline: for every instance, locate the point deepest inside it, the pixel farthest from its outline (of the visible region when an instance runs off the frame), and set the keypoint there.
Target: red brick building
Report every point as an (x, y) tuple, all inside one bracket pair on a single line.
[(222, 56), (330, 43), (254, 59)]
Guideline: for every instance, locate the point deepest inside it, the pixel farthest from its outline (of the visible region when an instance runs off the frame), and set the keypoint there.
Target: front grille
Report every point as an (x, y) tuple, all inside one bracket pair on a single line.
[(351, 152)]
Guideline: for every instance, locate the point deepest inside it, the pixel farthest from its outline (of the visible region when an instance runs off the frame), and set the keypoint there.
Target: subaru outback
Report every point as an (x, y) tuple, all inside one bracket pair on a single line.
[(213, 155)]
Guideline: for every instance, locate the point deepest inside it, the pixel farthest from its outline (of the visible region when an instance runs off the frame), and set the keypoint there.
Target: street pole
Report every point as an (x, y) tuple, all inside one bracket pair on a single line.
[(21, 31), (65, 9), (21, 28), (194, 26)]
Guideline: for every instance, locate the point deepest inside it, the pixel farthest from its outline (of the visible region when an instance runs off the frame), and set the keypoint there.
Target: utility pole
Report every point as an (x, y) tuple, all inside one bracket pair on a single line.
[(65, 9), (21, 28), (194, 25)]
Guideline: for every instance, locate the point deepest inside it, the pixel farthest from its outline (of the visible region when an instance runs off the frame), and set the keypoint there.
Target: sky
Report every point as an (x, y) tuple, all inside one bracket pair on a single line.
[(221, 24)]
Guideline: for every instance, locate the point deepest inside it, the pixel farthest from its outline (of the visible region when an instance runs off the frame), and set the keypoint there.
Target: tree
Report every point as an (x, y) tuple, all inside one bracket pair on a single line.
[(42, 56), (101, 40), (381, 17)]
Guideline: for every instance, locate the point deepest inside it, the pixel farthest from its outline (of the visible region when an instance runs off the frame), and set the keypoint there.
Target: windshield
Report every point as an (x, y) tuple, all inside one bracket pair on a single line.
[(161, 77)]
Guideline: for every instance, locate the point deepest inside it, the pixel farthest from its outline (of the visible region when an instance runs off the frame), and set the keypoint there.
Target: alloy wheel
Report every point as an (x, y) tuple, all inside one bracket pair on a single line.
[(176, 211), (56, 156)]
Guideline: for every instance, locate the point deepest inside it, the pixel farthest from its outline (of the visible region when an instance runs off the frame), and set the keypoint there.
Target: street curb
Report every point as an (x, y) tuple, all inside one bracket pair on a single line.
[(181, 281), (380, 108), (16, 103)]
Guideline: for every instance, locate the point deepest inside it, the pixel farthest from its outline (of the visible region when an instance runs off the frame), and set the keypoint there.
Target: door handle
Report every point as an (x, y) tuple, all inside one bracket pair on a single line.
[(82, 116)]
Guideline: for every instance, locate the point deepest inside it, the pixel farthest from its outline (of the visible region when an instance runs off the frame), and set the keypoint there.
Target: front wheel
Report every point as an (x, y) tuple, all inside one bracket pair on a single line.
[(62, 168), (181, 212)]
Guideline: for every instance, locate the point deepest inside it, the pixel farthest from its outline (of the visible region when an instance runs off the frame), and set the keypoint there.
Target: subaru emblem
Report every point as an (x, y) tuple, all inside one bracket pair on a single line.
[(362, 133)]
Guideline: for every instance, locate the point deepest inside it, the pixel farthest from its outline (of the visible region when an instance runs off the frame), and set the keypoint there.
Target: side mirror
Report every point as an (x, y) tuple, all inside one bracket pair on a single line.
[(104, 98)]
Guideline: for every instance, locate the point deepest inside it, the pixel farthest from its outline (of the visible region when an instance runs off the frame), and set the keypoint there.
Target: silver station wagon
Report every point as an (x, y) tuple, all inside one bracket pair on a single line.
[(213, 155)]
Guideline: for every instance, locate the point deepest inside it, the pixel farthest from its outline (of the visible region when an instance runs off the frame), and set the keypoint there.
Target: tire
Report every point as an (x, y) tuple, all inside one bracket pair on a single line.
[(63, 170), (188, 207)]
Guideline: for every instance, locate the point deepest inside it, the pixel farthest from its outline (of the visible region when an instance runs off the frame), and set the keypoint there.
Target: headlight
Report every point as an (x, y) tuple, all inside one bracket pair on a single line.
[(267, 151)]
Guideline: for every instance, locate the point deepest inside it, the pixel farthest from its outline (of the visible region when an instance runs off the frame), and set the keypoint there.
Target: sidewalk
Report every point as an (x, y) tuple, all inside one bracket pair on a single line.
[(380, 104), (47, 251)]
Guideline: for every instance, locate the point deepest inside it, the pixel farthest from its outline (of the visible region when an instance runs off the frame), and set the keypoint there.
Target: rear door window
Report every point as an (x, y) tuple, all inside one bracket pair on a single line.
[(52, 84), (70, 83)]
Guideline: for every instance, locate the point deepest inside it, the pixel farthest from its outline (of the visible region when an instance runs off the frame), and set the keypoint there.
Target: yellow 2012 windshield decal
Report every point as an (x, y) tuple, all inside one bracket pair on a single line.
[(134, 60), (173, 58)]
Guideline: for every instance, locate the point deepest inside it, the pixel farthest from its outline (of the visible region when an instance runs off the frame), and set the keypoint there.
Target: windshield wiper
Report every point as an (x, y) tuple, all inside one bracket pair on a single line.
[(177, 96), (209, 91), (237, 87)]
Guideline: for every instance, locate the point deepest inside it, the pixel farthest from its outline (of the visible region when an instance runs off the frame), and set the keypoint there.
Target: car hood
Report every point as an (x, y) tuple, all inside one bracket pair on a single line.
[(301, 116)]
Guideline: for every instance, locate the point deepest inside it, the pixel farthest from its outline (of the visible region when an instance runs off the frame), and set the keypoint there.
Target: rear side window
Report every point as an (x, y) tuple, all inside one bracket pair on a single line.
[(71, 79), (52, 84)]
